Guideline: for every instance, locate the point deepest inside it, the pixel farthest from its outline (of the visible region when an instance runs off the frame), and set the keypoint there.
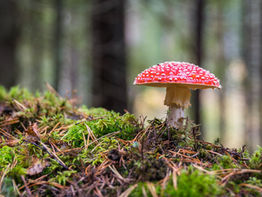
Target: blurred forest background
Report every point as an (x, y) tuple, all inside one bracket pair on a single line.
[(93, 49)]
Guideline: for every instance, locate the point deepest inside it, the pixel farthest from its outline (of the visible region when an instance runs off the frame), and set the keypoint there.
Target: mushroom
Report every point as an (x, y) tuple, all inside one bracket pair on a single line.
[(178, 78)]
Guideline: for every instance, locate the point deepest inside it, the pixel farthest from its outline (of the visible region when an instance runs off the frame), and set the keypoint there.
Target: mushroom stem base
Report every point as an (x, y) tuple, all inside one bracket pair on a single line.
[(175, 117)]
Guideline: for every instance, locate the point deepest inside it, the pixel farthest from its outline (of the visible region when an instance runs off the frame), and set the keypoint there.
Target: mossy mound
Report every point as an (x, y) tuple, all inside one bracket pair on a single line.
[(50, 147)]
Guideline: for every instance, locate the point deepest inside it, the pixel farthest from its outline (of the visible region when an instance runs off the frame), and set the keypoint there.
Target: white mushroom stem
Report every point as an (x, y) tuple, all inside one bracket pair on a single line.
[(175, 117), (177, 98)]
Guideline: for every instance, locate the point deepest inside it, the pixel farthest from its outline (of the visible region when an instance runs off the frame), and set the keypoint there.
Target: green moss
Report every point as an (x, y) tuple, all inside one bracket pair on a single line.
[(75, 135), (86, 141), (103, 122), (53, 119), (7, 156), (255, 161), (17, 171), (191, 183), (140, 190), (62, 177), (226, 162), (51, 99), (19, 94), (94, 153), (7, 188), (52, 168), (254, 181), (3, 93)]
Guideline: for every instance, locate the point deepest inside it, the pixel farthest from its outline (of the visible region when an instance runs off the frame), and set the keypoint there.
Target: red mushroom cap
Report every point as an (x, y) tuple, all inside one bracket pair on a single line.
[(177, 73)]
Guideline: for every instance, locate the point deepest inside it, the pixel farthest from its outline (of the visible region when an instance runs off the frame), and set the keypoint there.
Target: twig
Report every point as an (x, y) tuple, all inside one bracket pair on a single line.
[(19, 105), (174, 178), (3, 173), (53, 129), (54, 155), (15, 187), (128, 191), (44, 147), (213, 152), (107, 135), (118, 175), (26, 187), (32, 182), (236, 172), (152, 189), (9, 122), (6, 134), (52, 90), (259, 189)]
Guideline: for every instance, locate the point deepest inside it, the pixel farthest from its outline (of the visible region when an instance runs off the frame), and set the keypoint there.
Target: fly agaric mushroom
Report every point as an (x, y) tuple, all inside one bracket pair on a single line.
[(178, 78)]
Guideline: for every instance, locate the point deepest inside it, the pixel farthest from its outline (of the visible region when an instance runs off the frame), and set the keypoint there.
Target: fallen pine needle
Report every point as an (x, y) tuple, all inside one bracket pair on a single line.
[(259, 189), (152, 189), (128, 191)]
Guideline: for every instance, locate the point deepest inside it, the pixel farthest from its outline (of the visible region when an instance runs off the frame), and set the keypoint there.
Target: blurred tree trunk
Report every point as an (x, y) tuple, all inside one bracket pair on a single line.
[(108, 54), (37, 43), (58, 29), (9, 35), (220, 70), (252, 50), (198, 24), (260, 73), (74, 67)]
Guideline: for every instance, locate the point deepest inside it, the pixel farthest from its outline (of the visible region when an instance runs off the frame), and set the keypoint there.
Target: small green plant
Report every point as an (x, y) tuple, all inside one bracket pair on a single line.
[(94, 155), (192, 183), (255, 161), (226, 162), (19, 94), (7, 188), (140, 190), (75, 135), (255, 181), (7, 156), (62, 177), (3, 93)]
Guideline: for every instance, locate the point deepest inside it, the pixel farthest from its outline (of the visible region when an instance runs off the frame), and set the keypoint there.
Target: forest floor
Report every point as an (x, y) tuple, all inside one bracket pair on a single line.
[(50, 147)]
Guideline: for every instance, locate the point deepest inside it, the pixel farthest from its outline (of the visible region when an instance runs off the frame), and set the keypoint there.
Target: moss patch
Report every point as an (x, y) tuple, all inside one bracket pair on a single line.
[(50, 147)]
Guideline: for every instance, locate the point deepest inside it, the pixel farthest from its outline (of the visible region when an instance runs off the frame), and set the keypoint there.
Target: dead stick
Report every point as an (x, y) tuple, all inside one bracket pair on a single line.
[(26, 187), (44, 147)]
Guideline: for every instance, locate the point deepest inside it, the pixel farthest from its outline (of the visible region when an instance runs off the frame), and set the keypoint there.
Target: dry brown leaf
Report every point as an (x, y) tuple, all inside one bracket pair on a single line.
[(37, 167)]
